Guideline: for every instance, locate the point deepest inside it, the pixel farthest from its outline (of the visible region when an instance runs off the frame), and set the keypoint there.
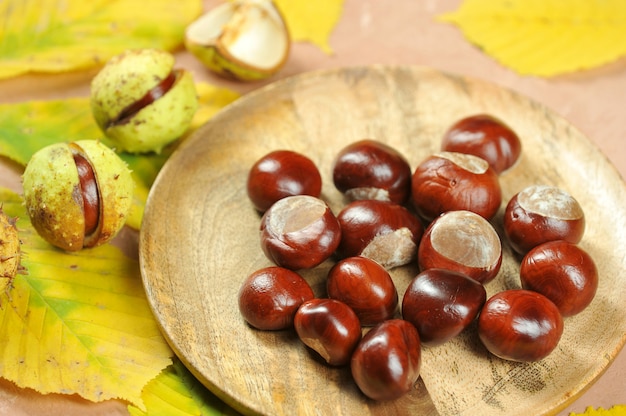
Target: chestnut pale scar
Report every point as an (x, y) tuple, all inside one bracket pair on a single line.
[(550, 201)]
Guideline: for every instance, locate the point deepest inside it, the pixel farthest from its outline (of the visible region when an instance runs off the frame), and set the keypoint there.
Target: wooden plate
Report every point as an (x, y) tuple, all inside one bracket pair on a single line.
[(199, 241)]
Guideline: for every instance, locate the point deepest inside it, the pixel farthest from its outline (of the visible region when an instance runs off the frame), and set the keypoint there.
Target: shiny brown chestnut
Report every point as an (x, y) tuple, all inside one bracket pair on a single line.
[(385, 232), (279, 174), (442, 303), (464, 242), (563, 272), (299, 232), (451, 181), (330, 328), (365, 286), (369, 169), (387, 361), (269, 297), (520, 325), (542, 213), (485, 136)]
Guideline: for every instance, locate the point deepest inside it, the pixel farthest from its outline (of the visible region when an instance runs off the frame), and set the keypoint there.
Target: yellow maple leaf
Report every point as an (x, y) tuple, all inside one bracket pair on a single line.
[(77, 323), (311, 21), (545, 37), (53, 36)]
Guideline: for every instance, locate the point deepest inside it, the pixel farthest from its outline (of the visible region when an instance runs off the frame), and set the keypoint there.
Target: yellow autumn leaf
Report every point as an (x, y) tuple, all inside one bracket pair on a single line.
[(54, 36), (311, 21), (77, 323), (618, 410), (545, 37), (211, 99)]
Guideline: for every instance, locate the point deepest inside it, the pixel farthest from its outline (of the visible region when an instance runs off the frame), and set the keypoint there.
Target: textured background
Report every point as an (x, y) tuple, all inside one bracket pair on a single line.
[(372, 31)]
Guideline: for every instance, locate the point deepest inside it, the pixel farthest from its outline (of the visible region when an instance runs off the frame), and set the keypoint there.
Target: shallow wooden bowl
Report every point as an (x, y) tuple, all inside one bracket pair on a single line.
[(199, 241)]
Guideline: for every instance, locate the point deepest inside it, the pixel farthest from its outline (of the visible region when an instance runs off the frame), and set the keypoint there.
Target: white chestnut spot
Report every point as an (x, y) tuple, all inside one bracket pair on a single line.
[(550, 201), (468, 162), (299, 232), (362, 193), (466, 238), (293, 214)]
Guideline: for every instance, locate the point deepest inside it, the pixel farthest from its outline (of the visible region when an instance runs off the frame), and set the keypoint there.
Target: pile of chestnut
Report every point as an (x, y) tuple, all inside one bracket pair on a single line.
[(439, 215)]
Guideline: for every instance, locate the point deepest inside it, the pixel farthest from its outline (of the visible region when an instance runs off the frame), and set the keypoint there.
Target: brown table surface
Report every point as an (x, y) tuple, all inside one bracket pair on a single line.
[(377, 32)]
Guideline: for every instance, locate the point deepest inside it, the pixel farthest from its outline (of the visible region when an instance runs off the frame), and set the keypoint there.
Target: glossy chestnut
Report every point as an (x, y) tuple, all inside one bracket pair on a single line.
[(279, 174), (365, 286), (442, 303), (451, 181), (464, 242), (485, 136), (330, 328), (387, 361), (542, 213), (520, 325), (299, 232), (269, 297), (385, 232), (563, 272), (369, 169)]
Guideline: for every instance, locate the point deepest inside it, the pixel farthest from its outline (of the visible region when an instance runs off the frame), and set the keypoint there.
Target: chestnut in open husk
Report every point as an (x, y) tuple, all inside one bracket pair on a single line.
[(141, 102), (77, 194)]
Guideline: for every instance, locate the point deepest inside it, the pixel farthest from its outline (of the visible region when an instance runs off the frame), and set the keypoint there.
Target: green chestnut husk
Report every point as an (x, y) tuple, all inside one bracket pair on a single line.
[(247, 40), (141, 102), (56, 194)]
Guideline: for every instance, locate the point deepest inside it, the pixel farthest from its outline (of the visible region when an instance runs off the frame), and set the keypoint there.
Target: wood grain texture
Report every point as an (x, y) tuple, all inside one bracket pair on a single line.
[(199, 241)]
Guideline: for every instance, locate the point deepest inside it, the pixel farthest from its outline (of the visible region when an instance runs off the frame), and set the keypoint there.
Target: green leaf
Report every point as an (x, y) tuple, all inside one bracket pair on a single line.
[(54, 36), (545, 38), (29, 126), (77, 323), (175, 392)]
